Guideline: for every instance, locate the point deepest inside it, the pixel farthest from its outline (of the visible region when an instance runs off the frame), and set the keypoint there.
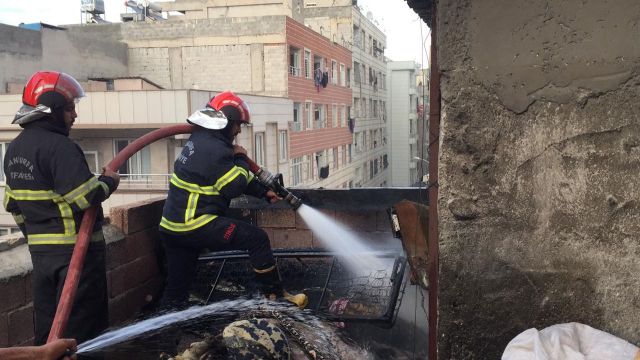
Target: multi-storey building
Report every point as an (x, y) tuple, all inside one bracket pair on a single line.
[(403, 124), (343, 22), (264, 55)]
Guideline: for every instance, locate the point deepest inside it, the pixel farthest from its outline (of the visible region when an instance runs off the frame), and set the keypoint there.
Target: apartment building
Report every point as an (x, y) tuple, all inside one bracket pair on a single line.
[(403, 124), (264, 55), (343, 22)]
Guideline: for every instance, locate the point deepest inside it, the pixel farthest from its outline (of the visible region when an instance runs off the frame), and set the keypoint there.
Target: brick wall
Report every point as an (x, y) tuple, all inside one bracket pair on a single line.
[(133, 271), (16, 310), (133, 274)]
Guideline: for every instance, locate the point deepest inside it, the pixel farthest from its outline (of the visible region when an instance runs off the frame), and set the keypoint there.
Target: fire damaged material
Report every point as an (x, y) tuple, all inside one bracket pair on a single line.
[(335, 293), (413, 219)]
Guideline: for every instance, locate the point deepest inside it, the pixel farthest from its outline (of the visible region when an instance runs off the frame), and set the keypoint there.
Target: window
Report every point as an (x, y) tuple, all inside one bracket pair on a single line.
[(319, 116), (364, 112), (356, 105), (343, 76), (307, 64), (356, 66), (334, 72), (317, 63), (283, 145), (3, 151), (258, 151), (358, 141), (297, 121), (92, 161), (296, 171), (375, 108), (296, 124), (138, 165), (350, 153), (334, 155), (344, 155), (334, 116), (321, 164), (307, 108), (343, 116), (294, 61), (357, 39), (348, 77)]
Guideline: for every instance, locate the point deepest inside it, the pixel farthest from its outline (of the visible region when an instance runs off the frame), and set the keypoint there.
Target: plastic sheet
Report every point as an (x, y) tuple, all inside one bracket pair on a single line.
[(571, 341)]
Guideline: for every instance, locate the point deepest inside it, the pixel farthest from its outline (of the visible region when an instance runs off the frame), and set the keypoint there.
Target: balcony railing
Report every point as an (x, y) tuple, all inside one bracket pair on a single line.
[(295, 71), (295, 126), (144, 182)]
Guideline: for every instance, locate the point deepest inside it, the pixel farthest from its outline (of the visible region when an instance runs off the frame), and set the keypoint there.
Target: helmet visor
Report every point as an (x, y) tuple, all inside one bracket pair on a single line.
[(69, 87), (208, 118)]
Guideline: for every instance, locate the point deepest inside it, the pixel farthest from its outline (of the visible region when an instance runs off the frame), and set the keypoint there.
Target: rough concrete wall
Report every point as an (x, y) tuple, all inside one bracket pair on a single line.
[(151, 63), (217, 67), (24, 52), (539, 188), (275, 67)]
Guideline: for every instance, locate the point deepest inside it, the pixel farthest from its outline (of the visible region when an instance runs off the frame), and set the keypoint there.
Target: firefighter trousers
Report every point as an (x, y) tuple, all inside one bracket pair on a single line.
[(89, 315), (222, 234)]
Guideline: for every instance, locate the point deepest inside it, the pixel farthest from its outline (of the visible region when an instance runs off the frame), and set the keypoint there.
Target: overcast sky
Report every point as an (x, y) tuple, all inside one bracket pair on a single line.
[(400, 23)]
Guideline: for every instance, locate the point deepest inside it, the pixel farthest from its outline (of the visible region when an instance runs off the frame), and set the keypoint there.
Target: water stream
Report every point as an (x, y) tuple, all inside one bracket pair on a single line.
[(352, 249), (222, 309)]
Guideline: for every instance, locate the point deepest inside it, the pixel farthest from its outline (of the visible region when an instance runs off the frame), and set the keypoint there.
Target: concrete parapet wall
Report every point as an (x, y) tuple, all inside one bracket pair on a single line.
[(539, 164)]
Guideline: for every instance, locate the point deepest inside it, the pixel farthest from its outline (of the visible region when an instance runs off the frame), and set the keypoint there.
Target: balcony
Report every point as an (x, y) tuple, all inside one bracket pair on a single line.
[(295, 126), (294, 71), (144, 182)]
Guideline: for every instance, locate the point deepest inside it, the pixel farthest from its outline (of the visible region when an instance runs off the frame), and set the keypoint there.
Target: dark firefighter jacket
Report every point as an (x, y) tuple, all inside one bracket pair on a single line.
[(206, 177), (49, 185)]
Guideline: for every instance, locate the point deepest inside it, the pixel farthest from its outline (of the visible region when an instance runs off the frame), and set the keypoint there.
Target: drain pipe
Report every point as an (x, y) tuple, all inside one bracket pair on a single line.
[(68, 295), (434, 153)]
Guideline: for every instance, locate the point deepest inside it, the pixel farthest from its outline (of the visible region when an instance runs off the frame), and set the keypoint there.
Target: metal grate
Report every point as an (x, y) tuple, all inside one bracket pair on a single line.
[(334, 292)]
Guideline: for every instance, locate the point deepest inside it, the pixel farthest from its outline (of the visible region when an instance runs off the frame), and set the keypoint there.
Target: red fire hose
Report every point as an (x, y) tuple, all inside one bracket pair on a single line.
[(86, 228)]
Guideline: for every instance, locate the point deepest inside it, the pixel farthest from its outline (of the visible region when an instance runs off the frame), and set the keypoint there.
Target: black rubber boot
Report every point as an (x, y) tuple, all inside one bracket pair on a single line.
[(271, 287)]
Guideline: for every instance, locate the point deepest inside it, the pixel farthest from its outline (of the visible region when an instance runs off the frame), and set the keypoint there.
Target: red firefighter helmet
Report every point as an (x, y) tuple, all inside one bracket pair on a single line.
[(232, 106), (44, 91)]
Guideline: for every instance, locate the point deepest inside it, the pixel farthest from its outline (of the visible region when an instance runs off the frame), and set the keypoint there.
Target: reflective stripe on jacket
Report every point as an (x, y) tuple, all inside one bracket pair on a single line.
[(49, 185), (206, 177)]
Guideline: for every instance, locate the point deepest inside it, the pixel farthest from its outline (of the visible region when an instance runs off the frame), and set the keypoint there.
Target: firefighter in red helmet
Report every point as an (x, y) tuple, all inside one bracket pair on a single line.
[(210, 171), (48, 188)]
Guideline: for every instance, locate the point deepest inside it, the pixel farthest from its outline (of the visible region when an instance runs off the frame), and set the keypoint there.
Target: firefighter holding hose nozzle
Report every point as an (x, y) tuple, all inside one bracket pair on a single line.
[(208, 173)]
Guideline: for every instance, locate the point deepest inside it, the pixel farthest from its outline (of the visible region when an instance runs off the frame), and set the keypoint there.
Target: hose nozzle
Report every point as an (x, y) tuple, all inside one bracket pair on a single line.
[(275, 183)]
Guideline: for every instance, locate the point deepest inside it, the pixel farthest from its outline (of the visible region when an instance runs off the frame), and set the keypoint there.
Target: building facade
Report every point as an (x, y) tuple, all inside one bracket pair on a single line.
[(403, 124), (343, 22)]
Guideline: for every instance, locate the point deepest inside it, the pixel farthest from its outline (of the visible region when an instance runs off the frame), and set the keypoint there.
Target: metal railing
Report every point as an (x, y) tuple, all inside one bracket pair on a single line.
[(295, 126), (144, 181), (295, 71)]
